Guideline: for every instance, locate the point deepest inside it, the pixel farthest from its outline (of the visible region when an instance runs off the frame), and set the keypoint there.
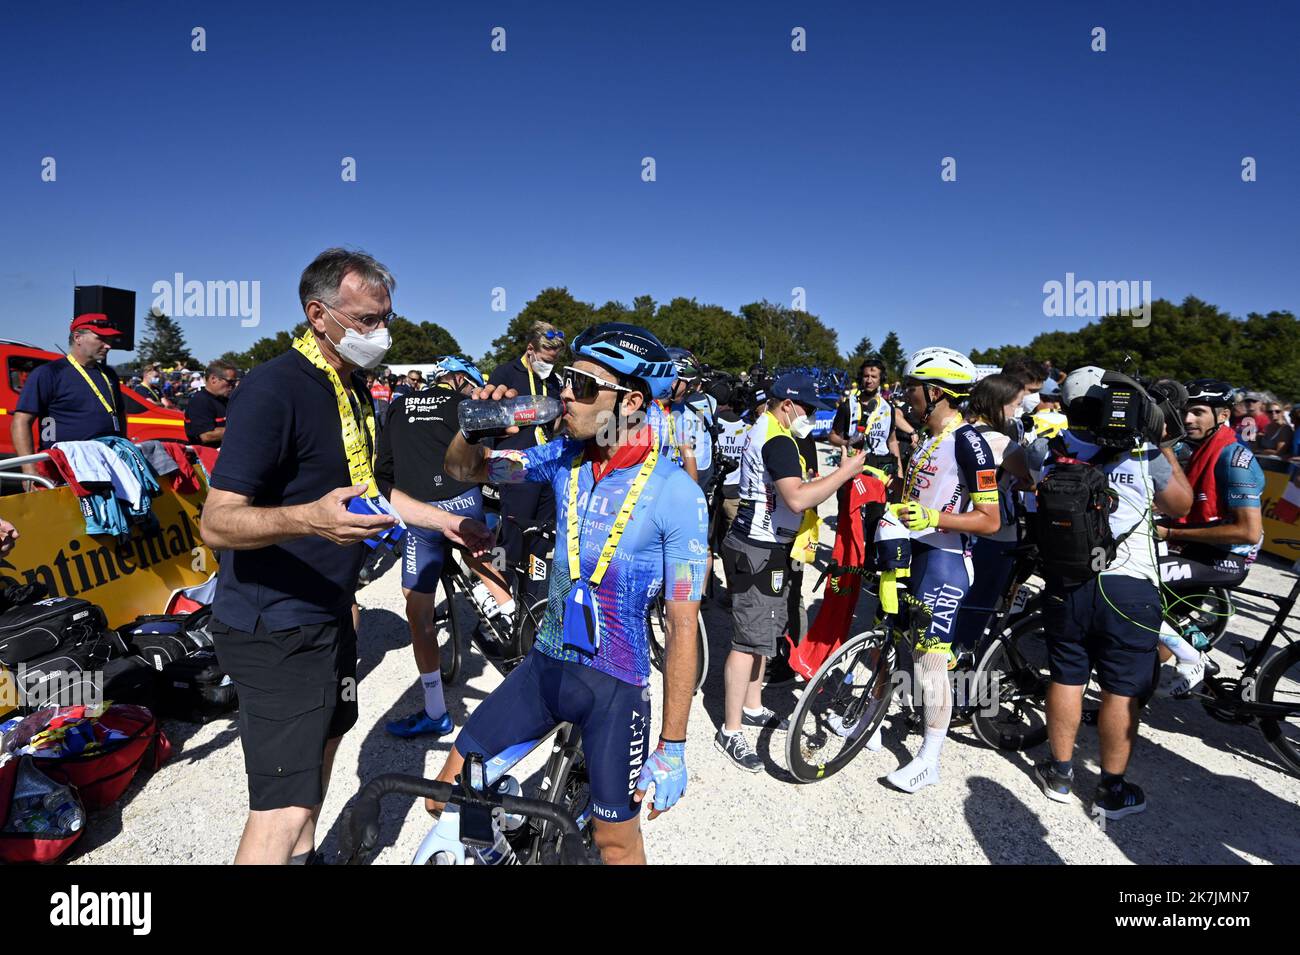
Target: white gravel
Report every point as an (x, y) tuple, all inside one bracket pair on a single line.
[(1216, 793)]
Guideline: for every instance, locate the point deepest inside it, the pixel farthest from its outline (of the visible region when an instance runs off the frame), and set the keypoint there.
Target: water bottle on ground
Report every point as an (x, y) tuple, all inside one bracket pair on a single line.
[(521, 411)]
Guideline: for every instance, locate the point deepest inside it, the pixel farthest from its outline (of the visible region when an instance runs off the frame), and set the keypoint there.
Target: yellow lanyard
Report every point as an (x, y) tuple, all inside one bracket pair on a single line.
[(539, 432), (356, 435), (782, 429), (914, 469), (108, 405), (876, 413), (620, 522)]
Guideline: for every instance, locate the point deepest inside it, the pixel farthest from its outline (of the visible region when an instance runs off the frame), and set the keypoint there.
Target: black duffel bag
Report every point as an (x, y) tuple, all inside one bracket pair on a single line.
[(39, 630)]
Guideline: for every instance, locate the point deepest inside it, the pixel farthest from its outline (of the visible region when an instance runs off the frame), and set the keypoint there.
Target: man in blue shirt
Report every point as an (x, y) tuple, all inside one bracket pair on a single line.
[(631, 524), (297, 450), (76, 398)]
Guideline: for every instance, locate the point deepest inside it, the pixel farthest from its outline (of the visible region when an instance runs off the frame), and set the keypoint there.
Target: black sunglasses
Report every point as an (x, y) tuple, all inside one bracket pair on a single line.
[(585, 385)]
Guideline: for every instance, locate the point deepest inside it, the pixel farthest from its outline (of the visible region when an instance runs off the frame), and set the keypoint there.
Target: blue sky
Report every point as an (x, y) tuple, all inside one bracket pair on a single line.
[(774, 169)]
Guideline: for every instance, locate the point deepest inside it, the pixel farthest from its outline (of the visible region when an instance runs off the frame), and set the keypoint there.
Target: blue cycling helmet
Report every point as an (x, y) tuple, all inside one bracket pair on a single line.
[(629, 351), (450, 364)]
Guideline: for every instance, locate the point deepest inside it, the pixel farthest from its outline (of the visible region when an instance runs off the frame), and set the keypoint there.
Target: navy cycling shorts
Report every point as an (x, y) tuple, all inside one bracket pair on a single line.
[(423, 551), (613, 717), (940, 578)]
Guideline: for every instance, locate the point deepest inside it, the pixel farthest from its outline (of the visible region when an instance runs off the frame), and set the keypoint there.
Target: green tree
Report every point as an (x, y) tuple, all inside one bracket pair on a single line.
[(163, 341), (892, 354), (418, 344), (716, 336), (863, 349), (554, 305), (790, 337), (1192, 340), (264, 349)]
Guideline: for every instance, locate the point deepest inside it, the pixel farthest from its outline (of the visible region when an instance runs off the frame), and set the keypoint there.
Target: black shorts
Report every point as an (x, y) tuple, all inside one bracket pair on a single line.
[(297, 689), (1110, 624)]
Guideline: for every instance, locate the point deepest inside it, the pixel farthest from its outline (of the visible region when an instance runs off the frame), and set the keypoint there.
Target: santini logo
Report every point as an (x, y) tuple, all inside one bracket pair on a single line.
[(103, 908)]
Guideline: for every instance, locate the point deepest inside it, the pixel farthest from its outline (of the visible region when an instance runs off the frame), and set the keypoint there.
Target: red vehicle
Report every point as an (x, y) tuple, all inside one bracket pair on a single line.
[(144, 418)]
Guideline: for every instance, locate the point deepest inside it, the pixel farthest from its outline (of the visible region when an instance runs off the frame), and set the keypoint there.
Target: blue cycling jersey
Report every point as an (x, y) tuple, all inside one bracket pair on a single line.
[(1240, 482), (663, 548)]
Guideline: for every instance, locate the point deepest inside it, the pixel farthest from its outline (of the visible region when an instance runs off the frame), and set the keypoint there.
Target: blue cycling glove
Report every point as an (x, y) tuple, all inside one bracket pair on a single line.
[(666, 768)]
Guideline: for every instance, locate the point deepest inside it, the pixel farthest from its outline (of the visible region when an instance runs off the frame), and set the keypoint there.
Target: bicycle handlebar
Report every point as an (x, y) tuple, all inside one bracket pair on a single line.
[(360, 828)]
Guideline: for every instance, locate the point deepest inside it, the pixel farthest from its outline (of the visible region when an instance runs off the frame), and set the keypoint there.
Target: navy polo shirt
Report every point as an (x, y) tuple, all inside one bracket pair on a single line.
[(514, 375), (284, 446), (67, 408), (205, 412)]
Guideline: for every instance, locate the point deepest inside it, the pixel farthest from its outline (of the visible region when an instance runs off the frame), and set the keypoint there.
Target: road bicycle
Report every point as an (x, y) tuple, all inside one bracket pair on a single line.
[(848, 697), (503, 646), (1265, 693), (553, 827)]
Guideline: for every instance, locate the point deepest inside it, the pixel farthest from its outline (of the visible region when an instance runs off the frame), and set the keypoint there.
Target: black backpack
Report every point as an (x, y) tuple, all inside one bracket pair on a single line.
[(1072, 523)]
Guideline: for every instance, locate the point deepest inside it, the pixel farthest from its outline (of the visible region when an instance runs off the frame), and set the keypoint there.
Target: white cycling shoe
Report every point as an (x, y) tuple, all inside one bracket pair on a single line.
[(1184, 678), (915, 776)]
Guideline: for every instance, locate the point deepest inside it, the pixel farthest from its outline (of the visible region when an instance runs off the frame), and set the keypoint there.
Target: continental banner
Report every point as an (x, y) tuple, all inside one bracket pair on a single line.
[(127, 577), (1281, 510)]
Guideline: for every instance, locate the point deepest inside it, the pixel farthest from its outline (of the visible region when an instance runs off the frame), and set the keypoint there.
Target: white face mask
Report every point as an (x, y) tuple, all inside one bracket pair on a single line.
[(543, 368), (1029, 402), (364, 351), (802, 426)]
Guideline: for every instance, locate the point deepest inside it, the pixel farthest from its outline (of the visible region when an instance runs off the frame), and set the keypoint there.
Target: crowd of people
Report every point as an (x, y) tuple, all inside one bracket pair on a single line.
[(659, 479)]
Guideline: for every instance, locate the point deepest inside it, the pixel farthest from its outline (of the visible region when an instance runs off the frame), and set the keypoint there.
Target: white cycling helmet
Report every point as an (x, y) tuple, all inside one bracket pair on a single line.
[(942, 366)]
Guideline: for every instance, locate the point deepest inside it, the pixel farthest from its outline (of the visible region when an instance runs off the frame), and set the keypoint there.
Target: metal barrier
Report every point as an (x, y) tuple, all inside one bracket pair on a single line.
[(8, 475)]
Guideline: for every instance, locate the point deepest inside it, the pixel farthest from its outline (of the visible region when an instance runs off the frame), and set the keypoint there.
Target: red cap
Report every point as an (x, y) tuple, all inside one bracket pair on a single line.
[(97, 322)]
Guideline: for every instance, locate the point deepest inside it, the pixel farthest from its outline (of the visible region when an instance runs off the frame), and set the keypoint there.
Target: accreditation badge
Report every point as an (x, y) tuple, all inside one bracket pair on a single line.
[(581, 620)]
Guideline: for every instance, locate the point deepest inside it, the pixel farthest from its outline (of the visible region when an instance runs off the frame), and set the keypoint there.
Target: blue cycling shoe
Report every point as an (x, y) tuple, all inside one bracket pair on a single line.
[(421, 724)]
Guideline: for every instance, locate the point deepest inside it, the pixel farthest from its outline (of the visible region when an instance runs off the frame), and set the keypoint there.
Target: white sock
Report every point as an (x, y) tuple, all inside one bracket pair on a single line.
[(433, 702), (1179, 647), (729, 733), (876, 743), (758, 712), (508, 607), (931, 745)]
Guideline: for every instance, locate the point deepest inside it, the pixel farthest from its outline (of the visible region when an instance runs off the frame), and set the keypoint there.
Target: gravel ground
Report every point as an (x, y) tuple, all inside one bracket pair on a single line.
[(1216, 793)]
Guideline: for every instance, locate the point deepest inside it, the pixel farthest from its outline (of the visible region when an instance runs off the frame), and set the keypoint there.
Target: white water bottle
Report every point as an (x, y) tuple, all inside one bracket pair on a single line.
[(502, 852)]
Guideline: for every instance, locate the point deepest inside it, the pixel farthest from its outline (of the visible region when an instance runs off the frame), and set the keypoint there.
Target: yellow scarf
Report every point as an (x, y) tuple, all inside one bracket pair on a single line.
[(358, 436)]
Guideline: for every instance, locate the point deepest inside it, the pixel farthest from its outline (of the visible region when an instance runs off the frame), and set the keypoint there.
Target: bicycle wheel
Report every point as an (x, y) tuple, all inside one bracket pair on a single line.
[(1279, 683), (656, 631), (1209, 610), (447, 626), (1011, 679), (841, 707)]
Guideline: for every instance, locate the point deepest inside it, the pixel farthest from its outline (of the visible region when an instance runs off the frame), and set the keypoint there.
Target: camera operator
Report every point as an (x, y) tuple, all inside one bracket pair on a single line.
[(1103, 603)]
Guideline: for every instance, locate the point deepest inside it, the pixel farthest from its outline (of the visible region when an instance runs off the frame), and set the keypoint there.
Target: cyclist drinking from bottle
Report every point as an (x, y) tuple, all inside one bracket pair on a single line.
[(630, 523), (950, 492)]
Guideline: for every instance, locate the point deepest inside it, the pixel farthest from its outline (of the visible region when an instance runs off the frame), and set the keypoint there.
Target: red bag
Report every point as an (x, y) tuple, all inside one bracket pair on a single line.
[(861, 502), (101, 776), (17, 847)]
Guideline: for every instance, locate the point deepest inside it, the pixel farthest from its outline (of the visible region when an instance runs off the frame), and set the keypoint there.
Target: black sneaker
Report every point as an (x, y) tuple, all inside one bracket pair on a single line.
[(766, 720), (1116, 802), (736, 748), (1055, 786)]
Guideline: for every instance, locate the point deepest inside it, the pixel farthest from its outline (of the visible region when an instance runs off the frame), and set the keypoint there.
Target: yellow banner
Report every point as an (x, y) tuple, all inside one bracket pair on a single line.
[(1275, 483), (125, 577)]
